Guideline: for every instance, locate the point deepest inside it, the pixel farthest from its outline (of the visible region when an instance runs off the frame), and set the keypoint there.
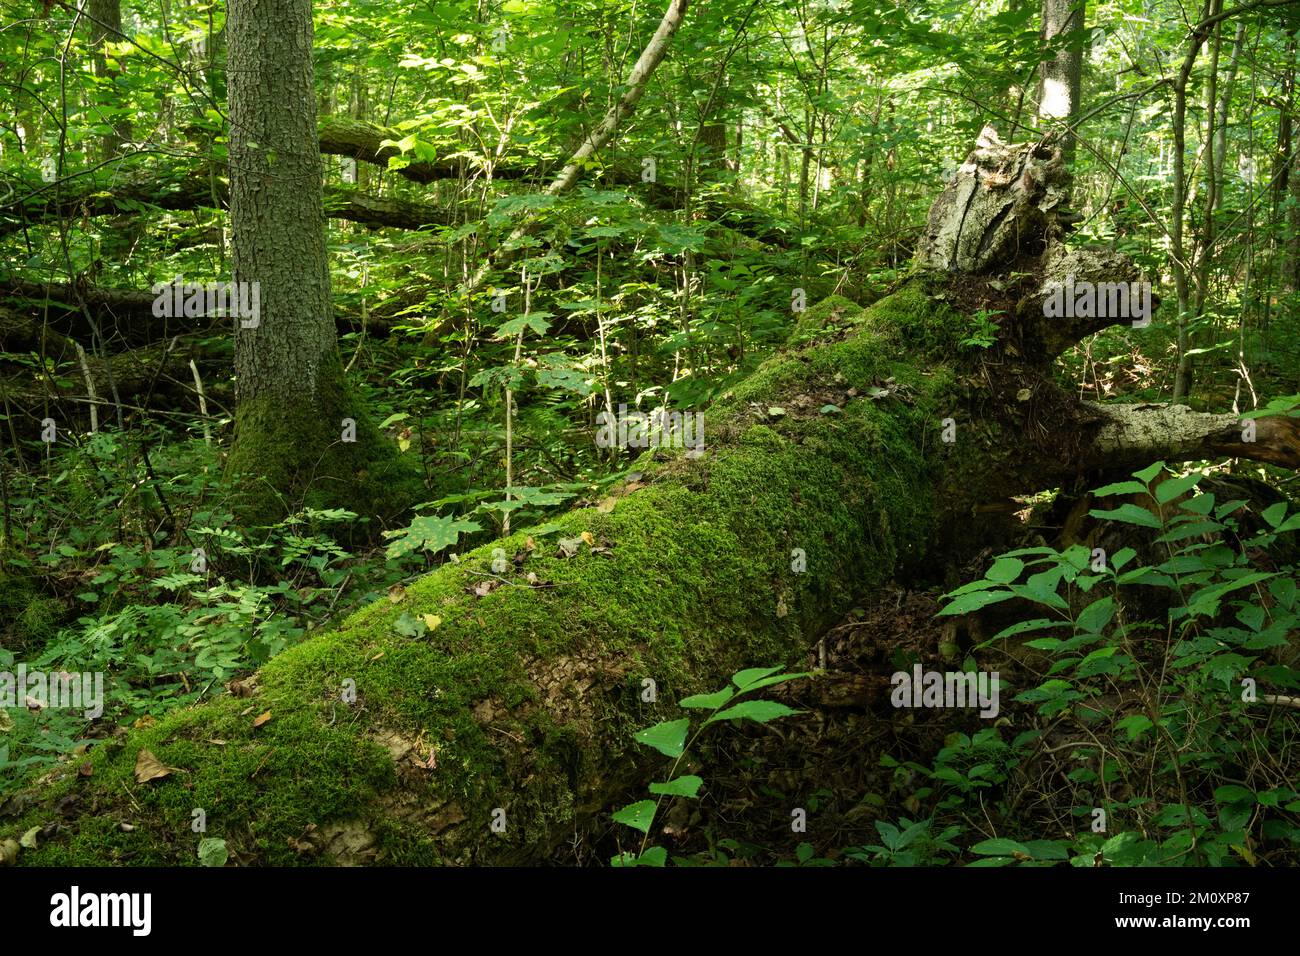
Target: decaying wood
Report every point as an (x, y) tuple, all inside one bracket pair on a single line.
[(1002, 201)]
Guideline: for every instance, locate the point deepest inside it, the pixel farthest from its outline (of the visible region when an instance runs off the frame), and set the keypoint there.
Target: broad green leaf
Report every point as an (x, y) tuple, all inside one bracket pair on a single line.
[(1129, 514), (1167, 491), (1134, 725), (1025, 627), (1148, 474), (1094, 618), (430, 532), (974, 601), (1232, 793), (1120, 488), (684, 786), (637, 815), (743, 679), (708, 701), (1000, 847), (669, 737), (533, 320), (213, 852), (1005, 570), (760, 711)]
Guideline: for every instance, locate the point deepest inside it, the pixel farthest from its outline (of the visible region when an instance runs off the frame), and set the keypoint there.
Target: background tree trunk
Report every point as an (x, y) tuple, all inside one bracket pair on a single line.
[(1060, 78), (297, 427)]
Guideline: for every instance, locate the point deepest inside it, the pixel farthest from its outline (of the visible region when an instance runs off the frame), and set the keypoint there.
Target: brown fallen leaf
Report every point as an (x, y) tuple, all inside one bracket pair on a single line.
[(261, 719), (396, 593), (86, 769), (148, 767), (607, 505)]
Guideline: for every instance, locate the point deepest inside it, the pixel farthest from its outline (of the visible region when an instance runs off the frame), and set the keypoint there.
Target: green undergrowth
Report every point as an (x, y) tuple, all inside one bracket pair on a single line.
[(514, 689)]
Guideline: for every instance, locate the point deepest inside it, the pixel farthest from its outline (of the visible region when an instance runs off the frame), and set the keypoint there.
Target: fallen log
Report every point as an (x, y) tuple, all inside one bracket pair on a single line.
[(501, 724), (129, 313), (196, 188)]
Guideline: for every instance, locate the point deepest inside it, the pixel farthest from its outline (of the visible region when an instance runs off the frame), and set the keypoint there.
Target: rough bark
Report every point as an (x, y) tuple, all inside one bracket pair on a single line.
[(300, 433), (1001, 203)]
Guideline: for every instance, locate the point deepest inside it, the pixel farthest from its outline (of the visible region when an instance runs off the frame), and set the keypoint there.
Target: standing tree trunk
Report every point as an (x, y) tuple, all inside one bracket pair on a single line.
[(1060, 78), (299, 432)]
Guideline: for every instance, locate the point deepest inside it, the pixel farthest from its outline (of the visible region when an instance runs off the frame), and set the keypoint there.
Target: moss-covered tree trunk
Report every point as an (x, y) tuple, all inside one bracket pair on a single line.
[(300, 435), (475, 696)]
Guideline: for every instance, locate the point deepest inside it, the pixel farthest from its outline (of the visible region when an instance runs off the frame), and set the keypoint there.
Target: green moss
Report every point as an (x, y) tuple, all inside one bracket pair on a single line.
[(527, 696), (832, 312), (298, 455)]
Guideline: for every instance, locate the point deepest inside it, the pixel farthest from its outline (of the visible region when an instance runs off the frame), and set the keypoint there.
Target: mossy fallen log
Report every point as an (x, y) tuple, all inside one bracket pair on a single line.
[(524, 689)]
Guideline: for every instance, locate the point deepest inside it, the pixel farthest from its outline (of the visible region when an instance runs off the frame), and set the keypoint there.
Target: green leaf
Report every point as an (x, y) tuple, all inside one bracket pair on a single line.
[(430, 532), (760, 711), (1129, 514), (1025, 627), (708, 701), (1274, 514), (637, 815), (743, 679), (1167, 491), (533, 320), (653, 856), (1147, 474), (669, 737), (1000, 847), (408, 625), (213, 852), (974, 601), (1005, 570), (684, 786), (1044, 643), (1122, 557), (1094, 618), (1048, 850), (1120, 488), (1135, 725), (1231, 793)]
